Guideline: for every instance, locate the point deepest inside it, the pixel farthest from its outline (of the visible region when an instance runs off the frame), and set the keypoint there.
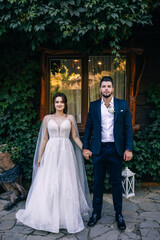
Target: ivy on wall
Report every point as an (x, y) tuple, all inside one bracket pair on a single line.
[(19, 87), (79, 21), (146, 160)]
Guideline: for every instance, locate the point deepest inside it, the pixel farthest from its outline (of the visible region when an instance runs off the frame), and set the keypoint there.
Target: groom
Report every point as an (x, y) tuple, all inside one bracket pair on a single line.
[(109, 123)]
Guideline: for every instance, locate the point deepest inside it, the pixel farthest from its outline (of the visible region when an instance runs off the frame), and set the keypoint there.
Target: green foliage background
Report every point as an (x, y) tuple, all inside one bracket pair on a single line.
[(19, 84), (86, 23), (146, 160)]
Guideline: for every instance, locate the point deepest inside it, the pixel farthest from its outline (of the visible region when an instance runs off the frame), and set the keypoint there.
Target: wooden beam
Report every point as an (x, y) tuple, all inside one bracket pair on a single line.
[(42, 105), (134, 87), (84, 89), (58, 52), (123, 50)]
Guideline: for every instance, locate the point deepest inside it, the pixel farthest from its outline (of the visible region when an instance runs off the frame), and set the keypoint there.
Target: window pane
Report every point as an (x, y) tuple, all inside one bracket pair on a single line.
[(100, 66), (65, 76)]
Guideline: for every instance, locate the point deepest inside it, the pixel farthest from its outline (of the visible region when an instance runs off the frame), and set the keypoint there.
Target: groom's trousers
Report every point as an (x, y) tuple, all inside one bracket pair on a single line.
[(108, 158)]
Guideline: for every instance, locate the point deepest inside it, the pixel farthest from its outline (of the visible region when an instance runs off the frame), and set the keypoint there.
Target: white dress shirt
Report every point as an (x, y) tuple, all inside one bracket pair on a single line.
[(107, 122)]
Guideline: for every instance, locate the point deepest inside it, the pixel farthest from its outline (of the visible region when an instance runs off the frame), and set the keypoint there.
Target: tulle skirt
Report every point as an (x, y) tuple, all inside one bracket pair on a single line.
[(56, 199)]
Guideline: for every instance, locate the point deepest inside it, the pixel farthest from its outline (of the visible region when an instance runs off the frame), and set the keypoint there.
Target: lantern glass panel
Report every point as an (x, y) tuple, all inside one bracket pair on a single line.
[(124, 185), (130, 185)]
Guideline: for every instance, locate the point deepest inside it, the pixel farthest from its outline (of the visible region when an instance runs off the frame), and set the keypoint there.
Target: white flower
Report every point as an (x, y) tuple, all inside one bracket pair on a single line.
[(111, 110)]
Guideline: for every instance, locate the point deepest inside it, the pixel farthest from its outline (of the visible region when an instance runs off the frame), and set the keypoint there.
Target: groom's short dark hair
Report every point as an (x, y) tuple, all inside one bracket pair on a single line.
[(106, 79)]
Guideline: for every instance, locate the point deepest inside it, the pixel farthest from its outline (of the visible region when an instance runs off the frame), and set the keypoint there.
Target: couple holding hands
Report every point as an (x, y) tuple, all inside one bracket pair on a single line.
[(59, 196)]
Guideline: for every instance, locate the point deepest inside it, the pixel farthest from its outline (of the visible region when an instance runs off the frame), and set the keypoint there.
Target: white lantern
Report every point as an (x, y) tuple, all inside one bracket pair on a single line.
[(128, 183)]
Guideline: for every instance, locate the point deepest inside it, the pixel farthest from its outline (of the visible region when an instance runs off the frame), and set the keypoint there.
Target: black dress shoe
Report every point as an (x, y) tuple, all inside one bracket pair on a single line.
[(120, 222), (93, 220)]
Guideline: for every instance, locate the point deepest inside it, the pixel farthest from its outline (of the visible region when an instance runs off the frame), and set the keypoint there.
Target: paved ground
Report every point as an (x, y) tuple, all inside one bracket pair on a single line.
[(141, 213)]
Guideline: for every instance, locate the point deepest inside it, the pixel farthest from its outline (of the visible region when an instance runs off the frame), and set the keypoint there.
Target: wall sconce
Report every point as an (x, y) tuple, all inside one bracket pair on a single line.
[(128, 183)]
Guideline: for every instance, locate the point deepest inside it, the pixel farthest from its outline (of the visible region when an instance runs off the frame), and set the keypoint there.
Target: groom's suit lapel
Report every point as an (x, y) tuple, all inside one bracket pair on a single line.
[(116, 108), (99, 109)]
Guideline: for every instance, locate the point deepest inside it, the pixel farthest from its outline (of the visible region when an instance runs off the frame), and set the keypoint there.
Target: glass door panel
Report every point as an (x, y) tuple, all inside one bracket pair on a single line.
[(66, 77)]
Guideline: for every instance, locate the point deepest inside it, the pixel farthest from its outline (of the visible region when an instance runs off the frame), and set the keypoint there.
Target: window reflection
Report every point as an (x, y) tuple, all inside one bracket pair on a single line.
[(66, 76), (99, 66)]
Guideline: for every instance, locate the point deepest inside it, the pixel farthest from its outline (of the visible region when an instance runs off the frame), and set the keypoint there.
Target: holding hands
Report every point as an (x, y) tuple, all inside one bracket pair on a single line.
[(87, 153)]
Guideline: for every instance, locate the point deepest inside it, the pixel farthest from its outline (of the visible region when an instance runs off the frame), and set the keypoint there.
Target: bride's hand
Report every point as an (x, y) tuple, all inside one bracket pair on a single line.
[(39, 162), (87, 153)]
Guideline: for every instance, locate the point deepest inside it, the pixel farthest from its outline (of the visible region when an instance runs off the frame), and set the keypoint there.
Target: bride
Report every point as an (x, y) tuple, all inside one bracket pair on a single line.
[(59, 196)]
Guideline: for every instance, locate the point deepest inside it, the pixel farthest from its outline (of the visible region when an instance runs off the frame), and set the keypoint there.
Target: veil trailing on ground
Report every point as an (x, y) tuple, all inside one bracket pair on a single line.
[(80, 169)]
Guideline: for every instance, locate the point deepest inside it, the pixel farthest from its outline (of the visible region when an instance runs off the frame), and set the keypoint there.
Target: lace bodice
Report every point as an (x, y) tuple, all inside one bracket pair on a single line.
[(59, 129)]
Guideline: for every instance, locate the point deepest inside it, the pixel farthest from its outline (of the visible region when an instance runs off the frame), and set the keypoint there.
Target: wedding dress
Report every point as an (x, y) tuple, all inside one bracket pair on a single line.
[(59, 195)]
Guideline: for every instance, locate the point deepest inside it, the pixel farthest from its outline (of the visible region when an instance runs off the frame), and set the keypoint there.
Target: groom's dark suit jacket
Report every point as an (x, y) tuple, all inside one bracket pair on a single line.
[(123, 133)]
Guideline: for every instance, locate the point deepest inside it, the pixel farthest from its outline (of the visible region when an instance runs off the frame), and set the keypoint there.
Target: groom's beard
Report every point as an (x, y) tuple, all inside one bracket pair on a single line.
[(106, 96)]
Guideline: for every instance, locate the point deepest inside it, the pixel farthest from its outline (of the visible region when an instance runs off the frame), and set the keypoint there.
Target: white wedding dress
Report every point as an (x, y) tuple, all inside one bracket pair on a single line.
[(56, 199)]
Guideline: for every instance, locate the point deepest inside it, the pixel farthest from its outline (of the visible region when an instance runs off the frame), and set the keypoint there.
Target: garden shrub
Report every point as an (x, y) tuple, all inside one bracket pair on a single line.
[(19, 85), (146, 154)]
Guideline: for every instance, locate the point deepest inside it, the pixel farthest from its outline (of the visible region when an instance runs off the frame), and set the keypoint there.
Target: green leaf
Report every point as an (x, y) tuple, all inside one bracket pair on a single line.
[(114, 15), (129, 23)]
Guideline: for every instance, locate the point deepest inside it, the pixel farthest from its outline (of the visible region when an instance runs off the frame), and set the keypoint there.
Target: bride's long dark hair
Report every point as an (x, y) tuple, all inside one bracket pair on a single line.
[(64, 99)]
